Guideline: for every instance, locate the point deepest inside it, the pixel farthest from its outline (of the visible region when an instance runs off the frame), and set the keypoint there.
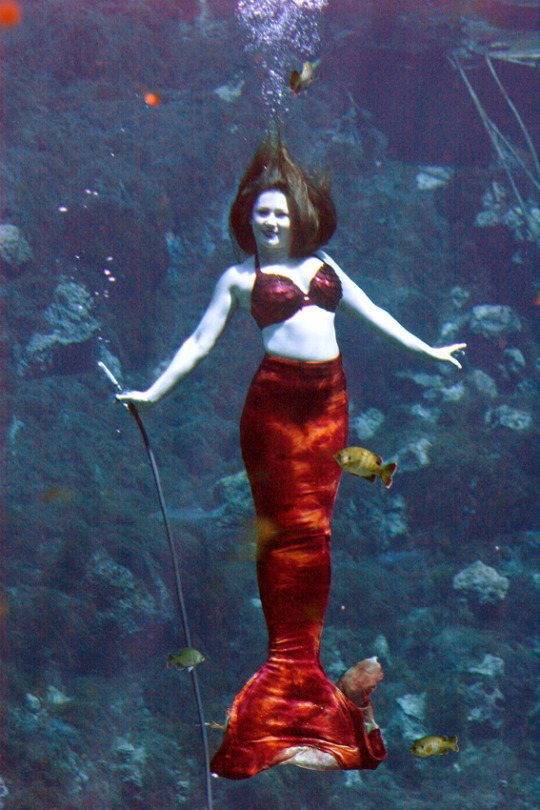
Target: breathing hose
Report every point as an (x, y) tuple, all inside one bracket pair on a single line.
[(179, 593)]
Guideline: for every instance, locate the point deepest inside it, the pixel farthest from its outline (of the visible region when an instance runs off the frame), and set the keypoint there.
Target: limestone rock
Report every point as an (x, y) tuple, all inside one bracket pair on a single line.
[(491, 321), (72, 324), (482, 583), (14, 249), (509, 417)]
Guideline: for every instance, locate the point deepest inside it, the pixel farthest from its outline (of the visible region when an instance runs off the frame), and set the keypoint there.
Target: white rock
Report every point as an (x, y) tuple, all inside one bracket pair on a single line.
[(490, 665), (14, 249), (484, 384), (414, 455), (366, 424), (493, 320), (57, 698), (33, 702), (508, 417), (482, 582), (430, 177), (230, 92), (413, 705)]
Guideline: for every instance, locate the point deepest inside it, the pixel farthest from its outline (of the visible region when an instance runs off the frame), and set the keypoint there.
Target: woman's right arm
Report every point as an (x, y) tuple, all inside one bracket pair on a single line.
[(223, 303)]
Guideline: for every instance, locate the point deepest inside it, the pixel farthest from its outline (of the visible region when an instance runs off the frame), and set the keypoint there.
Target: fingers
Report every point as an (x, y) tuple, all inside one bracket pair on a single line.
[(458, 348), (447, 353), (128, 396)]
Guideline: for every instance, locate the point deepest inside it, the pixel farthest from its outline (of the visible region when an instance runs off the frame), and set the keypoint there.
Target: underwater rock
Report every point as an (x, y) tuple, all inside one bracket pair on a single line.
[(508, 417), (56, 698), (125, 234), (366, 424), (67, 348), (410, 719), (484, 709), (453, 393), (381, 648), (459, 297), (430, 177), (482, 583), (512, 366), (395, 518), (33, 703), (414, 455), (3, 791), (131, 760), (14, 249), (13, 433), (499, 210), (484, 384), (234, 493), (491, 666), (427, 414), (125, 602), (495, 206), (413, 705), (422, 379), (491, 321), (230, 92)]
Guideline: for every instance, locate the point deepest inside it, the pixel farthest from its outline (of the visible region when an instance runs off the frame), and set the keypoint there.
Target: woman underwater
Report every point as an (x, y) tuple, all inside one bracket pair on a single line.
[(294, 420)]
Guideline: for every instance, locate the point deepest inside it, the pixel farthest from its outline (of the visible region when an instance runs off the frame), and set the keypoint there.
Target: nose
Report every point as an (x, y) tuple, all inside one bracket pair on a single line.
[(271, 219)]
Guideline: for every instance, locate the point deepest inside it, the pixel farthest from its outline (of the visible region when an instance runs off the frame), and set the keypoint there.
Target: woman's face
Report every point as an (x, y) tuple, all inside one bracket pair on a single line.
[(271, 223)]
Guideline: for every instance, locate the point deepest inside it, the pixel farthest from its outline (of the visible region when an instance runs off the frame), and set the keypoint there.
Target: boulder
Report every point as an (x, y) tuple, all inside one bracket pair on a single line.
[(482, 583), (67, 347), (14, 249)]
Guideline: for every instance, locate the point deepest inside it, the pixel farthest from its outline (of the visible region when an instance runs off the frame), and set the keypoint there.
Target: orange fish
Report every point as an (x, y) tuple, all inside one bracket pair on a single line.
[(152, 99), (10, 13)]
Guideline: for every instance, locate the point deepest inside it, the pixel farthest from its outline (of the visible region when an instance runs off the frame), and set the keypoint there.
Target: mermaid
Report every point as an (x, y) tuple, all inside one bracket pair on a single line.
[(293, 422)]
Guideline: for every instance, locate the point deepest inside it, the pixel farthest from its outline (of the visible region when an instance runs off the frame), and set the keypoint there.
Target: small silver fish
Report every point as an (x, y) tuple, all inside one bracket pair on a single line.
[(362, 462), (186, 658)]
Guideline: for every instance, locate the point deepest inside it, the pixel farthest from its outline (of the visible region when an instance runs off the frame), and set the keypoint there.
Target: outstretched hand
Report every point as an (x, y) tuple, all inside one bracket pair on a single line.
[(137, 398), (447, 353)]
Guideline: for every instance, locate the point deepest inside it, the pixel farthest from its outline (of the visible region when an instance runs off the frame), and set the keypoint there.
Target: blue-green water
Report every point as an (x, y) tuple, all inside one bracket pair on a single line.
[(125, 130)]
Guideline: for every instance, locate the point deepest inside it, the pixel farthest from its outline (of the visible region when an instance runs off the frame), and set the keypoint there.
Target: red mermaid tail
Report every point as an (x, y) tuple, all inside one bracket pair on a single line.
[(294, 420)]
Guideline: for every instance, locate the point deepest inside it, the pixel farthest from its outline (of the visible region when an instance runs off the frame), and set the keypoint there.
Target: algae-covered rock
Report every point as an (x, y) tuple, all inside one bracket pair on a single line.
[(66, 348)]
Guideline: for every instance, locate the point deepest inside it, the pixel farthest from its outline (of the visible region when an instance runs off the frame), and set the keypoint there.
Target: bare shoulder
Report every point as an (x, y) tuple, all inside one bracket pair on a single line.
[(239, 279), (353, 296), (240, 274), (322, 254)]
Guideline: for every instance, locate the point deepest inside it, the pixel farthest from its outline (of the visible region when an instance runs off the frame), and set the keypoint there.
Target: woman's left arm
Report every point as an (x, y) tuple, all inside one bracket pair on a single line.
[(356, 303)]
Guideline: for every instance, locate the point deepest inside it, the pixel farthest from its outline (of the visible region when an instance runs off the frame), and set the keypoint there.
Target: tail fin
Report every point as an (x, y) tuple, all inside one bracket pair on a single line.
[(387, 473), (293, 84), (452, 743)]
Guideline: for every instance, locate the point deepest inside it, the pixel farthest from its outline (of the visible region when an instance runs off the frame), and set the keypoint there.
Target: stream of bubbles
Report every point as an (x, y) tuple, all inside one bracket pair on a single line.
[(281, 34)]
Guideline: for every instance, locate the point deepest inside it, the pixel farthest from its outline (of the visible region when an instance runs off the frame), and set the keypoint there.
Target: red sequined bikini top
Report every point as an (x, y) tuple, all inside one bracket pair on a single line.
[(276, 298)]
